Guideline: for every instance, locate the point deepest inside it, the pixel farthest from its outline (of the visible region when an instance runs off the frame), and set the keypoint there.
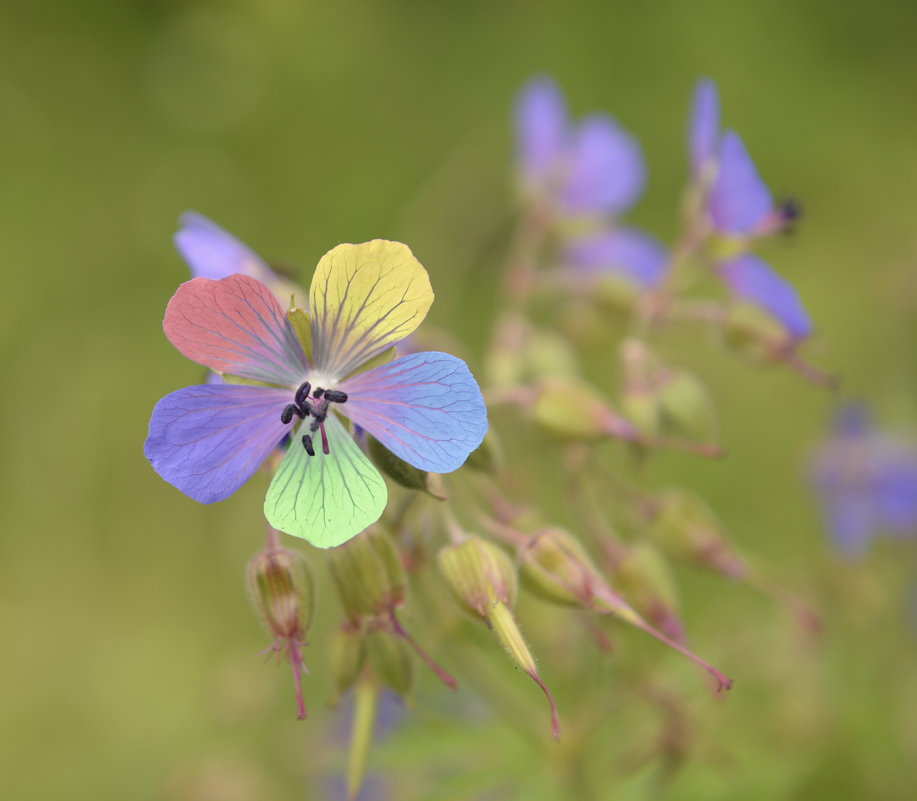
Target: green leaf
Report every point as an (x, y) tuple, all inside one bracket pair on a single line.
[(325, 499)]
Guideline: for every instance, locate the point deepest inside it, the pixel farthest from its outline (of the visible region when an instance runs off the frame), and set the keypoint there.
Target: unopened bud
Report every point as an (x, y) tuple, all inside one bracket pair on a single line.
[(389, 659), (644, 577), (281, 588), (483, 579), (572, 409), (752, 334), (368, 575), (488, 456), (480, 575), (397, 469), (688, 528), (687, 407), (346, 657), (639, 401)]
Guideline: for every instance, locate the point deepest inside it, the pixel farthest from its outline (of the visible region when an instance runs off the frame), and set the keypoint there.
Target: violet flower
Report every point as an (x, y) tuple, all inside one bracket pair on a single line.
[(208, 440), (739, 207), (866, 481)]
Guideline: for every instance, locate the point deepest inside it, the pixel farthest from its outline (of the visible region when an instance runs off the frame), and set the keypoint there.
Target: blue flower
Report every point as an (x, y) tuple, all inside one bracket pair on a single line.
[(866, 481), (739, 207)]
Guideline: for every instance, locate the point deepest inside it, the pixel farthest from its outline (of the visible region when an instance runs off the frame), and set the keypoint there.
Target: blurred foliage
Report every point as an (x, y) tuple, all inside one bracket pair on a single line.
[(129, 667)]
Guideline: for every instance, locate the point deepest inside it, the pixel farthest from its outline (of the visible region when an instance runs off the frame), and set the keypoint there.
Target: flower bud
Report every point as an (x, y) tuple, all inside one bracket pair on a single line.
[(282, 591), (688, 528), (556, 568), (281, 588), (483, 580), (488, 456), (368, 575), (573, 409), (480, 575), (752, 334), (346, 657), (639, 399), (644, 577), (389, 659), (687, 407), (397, 469)]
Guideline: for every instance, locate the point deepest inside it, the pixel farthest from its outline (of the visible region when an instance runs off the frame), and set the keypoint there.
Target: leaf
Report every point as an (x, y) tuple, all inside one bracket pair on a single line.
[(325, 499)]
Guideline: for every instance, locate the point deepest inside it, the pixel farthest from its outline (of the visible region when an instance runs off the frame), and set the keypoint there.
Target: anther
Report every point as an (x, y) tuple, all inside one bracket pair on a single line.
[(302, 393), (287, 414), (335, 396), (318, 392), (307, 444)]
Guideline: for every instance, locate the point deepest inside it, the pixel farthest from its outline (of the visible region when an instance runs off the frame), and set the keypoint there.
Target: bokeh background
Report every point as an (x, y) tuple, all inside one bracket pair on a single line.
[(128, 667)]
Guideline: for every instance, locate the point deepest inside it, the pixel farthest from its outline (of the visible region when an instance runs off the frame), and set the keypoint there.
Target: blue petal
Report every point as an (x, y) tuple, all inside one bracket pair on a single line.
[(425, 408), (211, 252), (751, 279), (703, 130), (628, 252), (739, 199), (606, 173), (541, 129), (208, 440)]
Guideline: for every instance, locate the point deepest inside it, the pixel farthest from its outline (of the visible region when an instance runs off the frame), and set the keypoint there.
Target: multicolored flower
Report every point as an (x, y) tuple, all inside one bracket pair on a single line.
[(866, 480), (299, 378), (738, 208)]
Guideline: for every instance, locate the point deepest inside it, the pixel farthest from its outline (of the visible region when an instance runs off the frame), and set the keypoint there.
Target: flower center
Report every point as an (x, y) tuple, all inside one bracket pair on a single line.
[(316, 406)]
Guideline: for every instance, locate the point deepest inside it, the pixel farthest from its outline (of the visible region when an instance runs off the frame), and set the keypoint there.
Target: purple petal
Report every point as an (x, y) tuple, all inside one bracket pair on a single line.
[(606, 172), (425, 408), (739, 199), (704, 127), (208, 440), (896, 491), (235, 325), (628, 252), (751, 279), (211, 252), (541, 129)]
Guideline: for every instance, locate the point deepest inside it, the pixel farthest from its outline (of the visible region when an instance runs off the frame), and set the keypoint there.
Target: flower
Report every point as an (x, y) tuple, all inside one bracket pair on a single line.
[(594, 170), (208, 440), (866, 481), (739, 207), (211, 252)]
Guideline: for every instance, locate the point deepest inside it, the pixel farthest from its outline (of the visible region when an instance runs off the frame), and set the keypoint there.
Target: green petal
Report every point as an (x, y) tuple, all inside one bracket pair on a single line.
[(325, 499), (364, 298)]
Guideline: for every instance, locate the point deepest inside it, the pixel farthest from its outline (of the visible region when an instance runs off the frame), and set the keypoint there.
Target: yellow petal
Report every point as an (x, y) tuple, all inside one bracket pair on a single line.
[(364, 298)]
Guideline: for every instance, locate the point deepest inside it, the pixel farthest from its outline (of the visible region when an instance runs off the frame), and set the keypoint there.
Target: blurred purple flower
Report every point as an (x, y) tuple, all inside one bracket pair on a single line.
[(627, 252), (594, 168), (739, 205), (866, 481)]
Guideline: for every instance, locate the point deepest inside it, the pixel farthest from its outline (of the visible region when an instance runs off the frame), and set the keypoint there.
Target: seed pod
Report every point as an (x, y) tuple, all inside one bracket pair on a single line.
[(389, 659), (368, 575), (480, 575), (346, 657), (575, 410), (281, 588)]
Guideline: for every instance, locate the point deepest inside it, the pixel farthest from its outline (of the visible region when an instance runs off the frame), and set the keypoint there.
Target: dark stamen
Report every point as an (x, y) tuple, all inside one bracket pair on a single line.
[(324, 439), (302, 393), (335, 396), (307, 444), (318, 392), (287, 414)]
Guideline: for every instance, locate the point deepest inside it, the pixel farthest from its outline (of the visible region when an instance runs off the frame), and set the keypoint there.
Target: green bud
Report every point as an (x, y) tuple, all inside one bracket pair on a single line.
[(645, 578), (397, 469), (480, 575), (573, 409), (389, 659), (282, 591), (346, 657), (368, 575), (299, 319), (752, 334), (556, 568), (488, 456), (687, 407)]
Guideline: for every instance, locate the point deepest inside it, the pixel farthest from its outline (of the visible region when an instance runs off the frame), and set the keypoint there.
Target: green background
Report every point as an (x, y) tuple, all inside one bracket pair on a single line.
[(128, 668)]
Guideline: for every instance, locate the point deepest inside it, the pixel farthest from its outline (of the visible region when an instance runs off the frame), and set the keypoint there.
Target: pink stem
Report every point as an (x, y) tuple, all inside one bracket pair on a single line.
[(445, 677), (555, 722)]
